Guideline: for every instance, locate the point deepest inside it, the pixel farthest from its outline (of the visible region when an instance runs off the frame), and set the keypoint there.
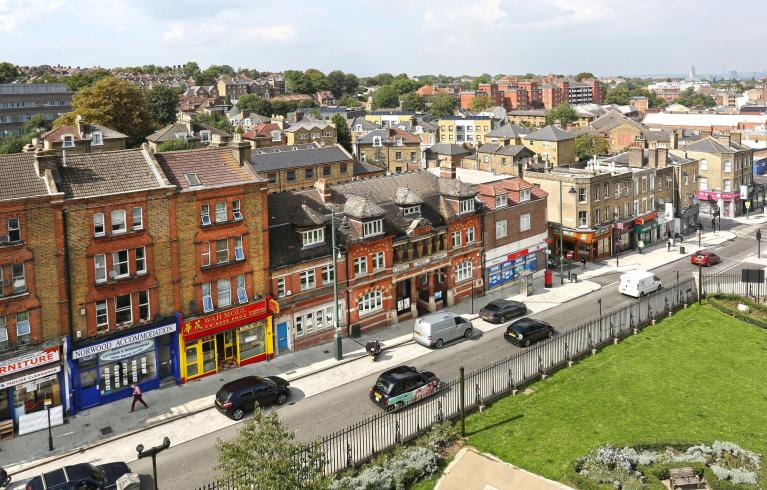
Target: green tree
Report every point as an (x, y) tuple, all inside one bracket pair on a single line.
[(163, 102), (113, 103), (8, 72), (85, 79), (562, 114), (413, 102), (317, 79), (381, 79), (690, 98), (337, 82), (584, 75), (351, 84), (297, 82), (481, 102), (13, 144), (191, 69), (588, 145), (216, 120), (174, 145), (342, 131), (442, 105), (252, 102), (484, 78), (402, 84), (385, 96), (349, 101), (35, 125), (264, 455)]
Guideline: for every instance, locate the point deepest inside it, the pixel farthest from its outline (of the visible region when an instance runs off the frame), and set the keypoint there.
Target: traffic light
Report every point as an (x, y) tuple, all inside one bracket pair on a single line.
[(700, 226), (759, 234)]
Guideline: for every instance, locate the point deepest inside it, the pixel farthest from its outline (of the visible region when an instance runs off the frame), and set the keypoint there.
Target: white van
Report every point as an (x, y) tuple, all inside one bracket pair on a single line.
[(639, 283), (436, 329)]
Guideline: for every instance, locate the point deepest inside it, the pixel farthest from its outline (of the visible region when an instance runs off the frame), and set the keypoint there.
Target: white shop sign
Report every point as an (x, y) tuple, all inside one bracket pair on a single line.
[(29, 377), (123, 341), (28, 361), (32, 422), (125, 351)]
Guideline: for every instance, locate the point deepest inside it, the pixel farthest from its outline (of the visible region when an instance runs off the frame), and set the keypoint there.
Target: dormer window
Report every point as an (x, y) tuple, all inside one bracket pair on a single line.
[(276, 136), (411, 211), (418, 129), (377, 141), (501, 201), (68, 141), (193, 179), (524, 195), (358, 128), (372, 228), (313, 237), (205, 136), (97, 139), (398, 141), (181, 136), (467, 206)]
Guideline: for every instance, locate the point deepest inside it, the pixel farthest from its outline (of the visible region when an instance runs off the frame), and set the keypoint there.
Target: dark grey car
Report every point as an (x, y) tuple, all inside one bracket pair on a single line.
[(500, 310)]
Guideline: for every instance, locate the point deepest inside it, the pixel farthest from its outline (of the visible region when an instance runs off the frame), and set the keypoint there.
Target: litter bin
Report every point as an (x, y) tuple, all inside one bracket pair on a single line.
[(681, 249), (575, 277), (355, 330), (548, 278)]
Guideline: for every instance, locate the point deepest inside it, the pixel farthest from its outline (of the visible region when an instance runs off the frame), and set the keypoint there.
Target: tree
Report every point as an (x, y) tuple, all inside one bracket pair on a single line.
[(297, 82), (584, 75), (385, 96), (191, 69), (413, 102), (35, 125), (8, 72), (351, 84), (174, 145), (13, 144), (342, 131), (484, 78), (588, 145), (337, 82), (85, 79), (317, 79), (402, 84), (252, 102), (349, 101), (216, 120), (113, 103), (264, 455), (442, 105), (381, 79), (562, 114), (690, 98), (163, 102), (481, 102)]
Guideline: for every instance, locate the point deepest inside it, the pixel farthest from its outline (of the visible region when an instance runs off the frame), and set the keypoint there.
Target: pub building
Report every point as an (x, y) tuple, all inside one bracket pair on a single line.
[(26, 382), (226, 339), (102, 371)]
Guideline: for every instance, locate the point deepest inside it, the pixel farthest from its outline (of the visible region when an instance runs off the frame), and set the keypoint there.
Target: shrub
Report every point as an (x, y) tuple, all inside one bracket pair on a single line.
[(723, 303), (441, 436), (411, 465)]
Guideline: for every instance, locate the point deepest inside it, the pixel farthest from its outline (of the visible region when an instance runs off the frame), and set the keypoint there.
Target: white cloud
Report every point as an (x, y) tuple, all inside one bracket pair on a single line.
[(278, 32), (13, 11), (176, 32)]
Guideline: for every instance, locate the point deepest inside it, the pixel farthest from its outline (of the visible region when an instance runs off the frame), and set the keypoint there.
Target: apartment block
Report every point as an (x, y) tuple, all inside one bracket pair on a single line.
[(19, 102)]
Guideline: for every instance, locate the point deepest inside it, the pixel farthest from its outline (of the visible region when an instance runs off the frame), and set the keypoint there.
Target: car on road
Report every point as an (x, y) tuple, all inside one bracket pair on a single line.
[(525, 331), (639, 283), (704, 257), (436, 329), (402, 386), (242, 395), (552, 261), (500, 310), (82, 476)]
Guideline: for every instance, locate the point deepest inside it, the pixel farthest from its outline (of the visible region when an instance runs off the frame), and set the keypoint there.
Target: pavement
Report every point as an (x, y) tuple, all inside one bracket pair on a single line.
[(185, 412)]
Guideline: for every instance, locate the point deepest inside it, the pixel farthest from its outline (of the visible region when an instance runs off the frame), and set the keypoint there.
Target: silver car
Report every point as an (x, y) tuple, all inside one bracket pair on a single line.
[(436, 329)]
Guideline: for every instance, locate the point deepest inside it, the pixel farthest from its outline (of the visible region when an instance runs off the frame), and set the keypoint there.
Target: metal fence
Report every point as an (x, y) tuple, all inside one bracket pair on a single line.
[(723, 283), (357, 443)]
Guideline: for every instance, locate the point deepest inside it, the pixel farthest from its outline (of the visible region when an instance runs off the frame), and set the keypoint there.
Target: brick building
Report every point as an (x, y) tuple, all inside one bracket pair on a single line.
[(79, 138), (20, 101), (392, 149), (307, 131)]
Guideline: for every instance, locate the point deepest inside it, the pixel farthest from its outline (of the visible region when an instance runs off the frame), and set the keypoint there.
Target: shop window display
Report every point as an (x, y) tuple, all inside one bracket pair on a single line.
[(30, 397), (121, 373), (252, 342)]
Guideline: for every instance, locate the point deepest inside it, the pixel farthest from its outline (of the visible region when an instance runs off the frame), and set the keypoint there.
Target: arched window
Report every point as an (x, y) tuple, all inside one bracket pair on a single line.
[(377, 141), (370, 302), (463, 271)]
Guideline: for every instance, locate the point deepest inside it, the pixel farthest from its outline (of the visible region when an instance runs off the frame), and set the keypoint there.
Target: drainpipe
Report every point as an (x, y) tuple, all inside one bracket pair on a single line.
[(70, 306)]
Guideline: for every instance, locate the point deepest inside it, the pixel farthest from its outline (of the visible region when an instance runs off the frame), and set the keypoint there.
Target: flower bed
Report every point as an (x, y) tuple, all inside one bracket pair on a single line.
[(728, 304)]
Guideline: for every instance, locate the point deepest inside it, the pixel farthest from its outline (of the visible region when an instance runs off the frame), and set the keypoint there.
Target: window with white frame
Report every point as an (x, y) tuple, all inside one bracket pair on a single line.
[(727, 166), (18, 279), (686, 178), (313, 237), (596, 216), (652, 182), (23, 329), (100, 265), (205, 256), (456, 239), (703, 183), (221, 214), (123, 310), (411, 211), (467, 206), (143, 305), (583, 219), (501, 229), (582, 194), (3, 333), (524, 222), (97, 139), (68, 141), (625, 210), (138, 218), (205, 214), (328, 275), (626, 187), (308, 280), (501, 201), (224, 290), (360, 266), (204, 137), (236, 213), (370, 302), (207, 297), (727, 187), (281, 291), (377, 141), (222, 251), (470, 235), (636, 208), (120, 264), (276, 136), (596, 192), (118, 221), (102, 316), (98, 224), (239, 250), (703, 165), (606, 190), (242, 291), (617, 189), (636, 187), (464, 271), (379, 261), (14, 230), (372, 228), (141, 260)]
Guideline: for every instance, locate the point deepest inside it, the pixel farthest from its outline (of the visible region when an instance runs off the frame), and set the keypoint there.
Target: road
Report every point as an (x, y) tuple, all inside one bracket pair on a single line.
[(191, 464)]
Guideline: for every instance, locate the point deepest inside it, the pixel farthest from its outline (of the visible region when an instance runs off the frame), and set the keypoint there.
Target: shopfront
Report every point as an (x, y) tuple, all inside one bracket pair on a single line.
[(103, 372), (230, 338), (26, 383), (503, 270), (623, 236), (646, 228), (726, 202)]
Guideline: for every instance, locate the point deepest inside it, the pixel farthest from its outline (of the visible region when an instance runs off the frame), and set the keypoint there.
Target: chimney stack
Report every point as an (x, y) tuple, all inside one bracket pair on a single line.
[(673, 140), (724, 139), (652, 156), (662, 158), (447, 168), (636, 157), (324, 188), (45, 162), (736, 137), (240, 149)]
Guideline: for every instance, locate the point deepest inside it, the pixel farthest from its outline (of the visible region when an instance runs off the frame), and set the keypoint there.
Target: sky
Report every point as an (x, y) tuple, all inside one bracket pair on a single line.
[(606, 37)]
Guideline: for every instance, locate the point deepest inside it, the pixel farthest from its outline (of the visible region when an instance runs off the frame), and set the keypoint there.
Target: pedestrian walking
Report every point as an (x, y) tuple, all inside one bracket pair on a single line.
[(668, 244), (583, 262), (137, 397)]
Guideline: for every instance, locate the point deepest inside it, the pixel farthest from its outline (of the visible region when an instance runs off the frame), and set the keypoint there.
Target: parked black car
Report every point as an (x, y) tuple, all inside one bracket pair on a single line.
[(525, 331), (402, 386), (500, 310), (552, 261), (80, 476), (5, 480), (241, 395)]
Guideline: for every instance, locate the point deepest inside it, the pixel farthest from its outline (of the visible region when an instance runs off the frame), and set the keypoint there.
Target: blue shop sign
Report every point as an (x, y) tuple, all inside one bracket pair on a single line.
[(510, 270)]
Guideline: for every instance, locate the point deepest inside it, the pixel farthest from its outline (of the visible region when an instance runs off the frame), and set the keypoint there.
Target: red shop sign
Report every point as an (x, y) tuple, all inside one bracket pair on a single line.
[(224, 320), (644, 219), (517, 254)]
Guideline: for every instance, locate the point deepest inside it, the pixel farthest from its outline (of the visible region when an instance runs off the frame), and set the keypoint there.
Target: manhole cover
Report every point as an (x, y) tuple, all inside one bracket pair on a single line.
[(105, 431), (86, 425)]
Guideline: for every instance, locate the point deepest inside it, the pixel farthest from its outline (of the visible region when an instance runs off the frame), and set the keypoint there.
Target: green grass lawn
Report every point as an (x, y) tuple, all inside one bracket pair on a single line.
[(698, 376)]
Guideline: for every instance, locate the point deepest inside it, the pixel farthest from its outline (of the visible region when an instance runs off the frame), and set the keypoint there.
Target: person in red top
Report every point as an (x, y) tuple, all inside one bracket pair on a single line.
[(137, 397)]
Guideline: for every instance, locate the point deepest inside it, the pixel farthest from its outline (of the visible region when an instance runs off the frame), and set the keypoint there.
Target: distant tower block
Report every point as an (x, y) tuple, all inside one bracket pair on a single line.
[(692, 72)]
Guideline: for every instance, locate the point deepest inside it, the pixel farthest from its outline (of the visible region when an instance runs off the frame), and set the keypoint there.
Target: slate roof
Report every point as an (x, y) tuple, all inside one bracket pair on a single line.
[(362, 208), (389, 136), (623, 158), (405, 196), (214, 167), (550, 133), (19, 178), (109, 172), (711, 145), (279, 157), (507, 131), (508, 150), (533, 112), (311, 124), (192, 129), (366, 125), (362, 169), (449, 149)]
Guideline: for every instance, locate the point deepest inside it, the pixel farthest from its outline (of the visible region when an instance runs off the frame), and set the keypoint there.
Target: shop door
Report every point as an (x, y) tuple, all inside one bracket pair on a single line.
[(163, 350), (209, 357), (87, 383), (230, 352), (282, 336)]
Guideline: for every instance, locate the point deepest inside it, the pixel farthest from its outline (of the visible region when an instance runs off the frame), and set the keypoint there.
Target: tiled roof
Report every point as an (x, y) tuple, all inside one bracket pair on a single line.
[(511, 188), (507, 131), (19, 178), (710, 145), (550, 133), (508, 150), (449, 149), (265, 159), (192, 129), (214, 167), (320, 124), (109, 172), (57, 133), (389, 135), (262, 130)]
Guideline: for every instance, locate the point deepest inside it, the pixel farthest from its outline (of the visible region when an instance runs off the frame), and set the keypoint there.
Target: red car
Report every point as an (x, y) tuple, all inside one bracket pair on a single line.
[(704, 257)]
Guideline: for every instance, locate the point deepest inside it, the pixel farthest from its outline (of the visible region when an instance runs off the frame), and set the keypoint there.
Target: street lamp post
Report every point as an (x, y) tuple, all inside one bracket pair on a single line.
[(337, 345), (561, 235), (599, 301), (759, 243), (617, 235), (153, 452), (48, 402)]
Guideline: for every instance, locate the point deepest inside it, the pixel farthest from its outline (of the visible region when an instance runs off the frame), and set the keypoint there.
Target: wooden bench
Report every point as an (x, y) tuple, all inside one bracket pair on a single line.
[(683, 477), (6, 429)]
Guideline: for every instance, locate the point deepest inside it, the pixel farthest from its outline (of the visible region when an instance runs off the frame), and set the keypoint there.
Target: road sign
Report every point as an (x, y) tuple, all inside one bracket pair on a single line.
[(570, 255)]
